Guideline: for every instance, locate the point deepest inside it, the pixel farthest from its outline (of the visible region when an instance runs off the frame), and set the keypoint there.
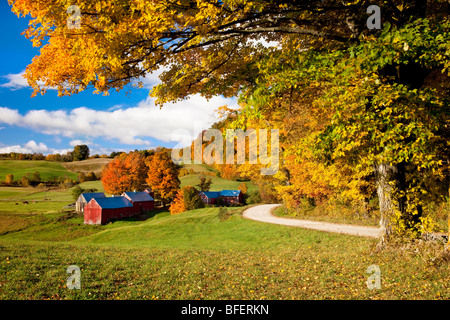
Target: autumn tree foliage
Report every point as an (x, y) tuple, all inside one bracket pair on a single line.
[(188, 198), (127, 172), (204, 183), (162, 175), (361, 112), (9, 179), (80, 152), (177, 205)]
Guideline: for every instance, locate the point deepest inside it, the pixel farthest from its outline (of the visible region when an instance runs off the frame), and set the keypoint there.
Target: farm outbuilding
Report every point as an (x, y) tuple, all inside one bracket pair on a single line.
[(209, 197), (101, 210), (231, 196), (84, 198), (150, 192), (142, 201), (226, 196)]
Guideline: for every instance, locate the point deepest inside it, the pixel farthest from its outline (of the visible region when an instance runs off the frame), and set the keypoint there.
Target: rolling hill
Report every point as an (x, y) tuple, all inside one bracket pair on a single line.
[(46, 169)]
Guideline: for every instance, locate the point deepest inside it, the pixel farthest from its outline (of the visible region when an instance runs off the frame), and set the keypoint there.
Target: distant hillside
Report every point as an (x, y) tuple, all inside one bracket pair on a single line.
[(46, 169), (86, 166), (218, 183)]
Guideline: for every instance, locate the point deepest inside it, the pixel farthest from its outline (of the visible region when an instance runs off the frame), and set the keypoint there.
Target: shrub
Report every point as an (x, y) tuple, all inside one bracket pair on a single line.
[(9, 179), (254, 197), (192, 199), (24, 181), (223, 214), (188, 198)]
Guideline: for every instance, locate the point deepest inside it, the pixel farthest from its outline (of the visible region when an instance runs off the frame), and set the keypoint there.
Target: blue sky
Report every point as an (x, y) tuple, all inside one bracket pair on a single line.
[(52, 124)]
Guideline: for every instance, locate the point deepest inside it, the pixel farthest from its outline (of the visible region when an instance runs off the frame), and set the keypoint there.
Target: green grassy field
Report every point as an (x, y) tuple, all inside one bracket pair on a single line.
[(218, 183), (195, 255), (46, 169)]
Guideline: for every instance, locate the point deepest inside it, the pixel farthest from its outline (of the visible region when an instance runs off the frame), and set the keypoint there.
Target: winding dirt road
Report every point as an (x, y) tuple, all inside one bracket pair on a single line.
[(263, 213)]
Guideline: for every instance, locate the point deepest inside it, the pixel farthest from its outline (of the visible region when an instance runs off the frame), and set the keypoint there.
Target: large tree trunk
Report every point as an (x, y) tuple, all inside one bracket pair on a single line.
[(392, 188), (385, 175)]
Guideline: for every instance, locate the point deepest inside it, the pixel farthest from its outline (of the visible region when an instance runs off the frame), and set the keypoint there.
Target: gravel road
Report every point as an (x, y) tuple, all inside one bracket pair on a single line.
[(263, 213)]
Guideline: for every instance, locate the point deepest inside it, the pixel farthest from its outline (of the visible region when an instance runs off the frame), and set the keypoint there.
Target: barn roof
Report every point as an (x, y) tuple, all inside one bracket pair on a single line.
[(230, 193), (138, 196), (211, 194), (89, 195), (113, 202)]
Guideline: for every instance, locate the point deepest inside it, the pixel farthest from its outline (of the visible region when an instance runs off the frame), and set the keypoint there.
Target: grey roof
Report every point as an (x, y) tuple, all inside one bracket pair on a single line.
[(113, 202), (141, 196)]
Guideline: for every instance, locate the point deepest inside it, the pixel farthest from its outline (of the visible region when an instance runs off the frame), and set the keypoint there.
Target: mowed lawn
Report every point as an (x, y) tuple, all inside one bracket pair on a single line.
[(197, 255), (47, 169)]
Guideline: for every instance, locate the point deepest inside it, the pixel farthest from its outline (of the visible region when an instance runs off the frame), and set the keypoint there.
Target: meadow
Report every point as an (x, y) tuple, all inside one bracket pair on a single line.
[(95, 165), (218, 184), (197, 255), (47, 169)]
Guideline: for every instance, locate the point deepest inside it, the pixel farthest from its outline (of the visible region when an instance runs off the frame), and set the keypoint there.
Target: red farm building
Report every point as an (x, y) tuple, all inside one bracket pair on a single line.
[(226, 196), (150, 192), (231, 196), (101, 210), (142, 201), (209, 197)]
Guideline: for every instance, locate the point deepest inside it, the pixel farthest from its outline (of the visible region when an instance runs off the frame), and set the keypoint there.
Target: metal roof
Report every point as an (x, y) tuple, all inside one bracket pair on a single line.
[(223, 193), (211, 194), (230, 193), (141, 196), (89, 195), (113, 202)]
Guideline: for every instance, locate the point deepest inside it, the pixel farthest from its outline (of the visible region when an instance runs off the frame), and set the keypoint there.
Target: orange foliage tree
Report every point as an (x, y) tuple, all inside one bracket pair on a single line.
[(125, 173), (177, 205), (162, 175)]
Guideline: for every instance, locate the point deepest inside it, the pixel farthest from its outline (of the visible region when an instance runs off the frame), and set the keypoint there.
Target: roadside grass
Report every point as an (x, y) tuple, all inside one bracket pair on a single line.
[(337, 214), (347, 215), (46, 169), (195, 255)]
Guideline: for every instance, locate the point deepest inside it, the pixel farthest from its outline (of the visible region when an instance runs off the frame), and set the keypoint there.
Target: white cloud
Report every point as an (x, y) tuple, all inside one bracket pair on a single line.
[(32, 147), (77, 142), (132, 125), (16, 81)]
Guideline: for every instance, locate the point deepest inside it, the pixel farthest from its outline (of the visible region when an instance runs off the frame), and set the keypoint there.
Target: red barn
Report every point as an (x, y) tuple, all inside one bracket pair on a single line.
[(231, 196), (150, 192), (101, 210), (142, 201), (226, 196), (209, 197)]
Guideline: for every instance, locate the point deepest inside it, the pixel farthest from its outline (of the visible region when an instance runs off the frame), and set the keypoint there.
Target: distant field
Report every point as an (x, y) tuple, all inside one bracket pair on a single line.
[(218, 183), (38, 201), (86, 166), (198, 167), (46, 169)]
